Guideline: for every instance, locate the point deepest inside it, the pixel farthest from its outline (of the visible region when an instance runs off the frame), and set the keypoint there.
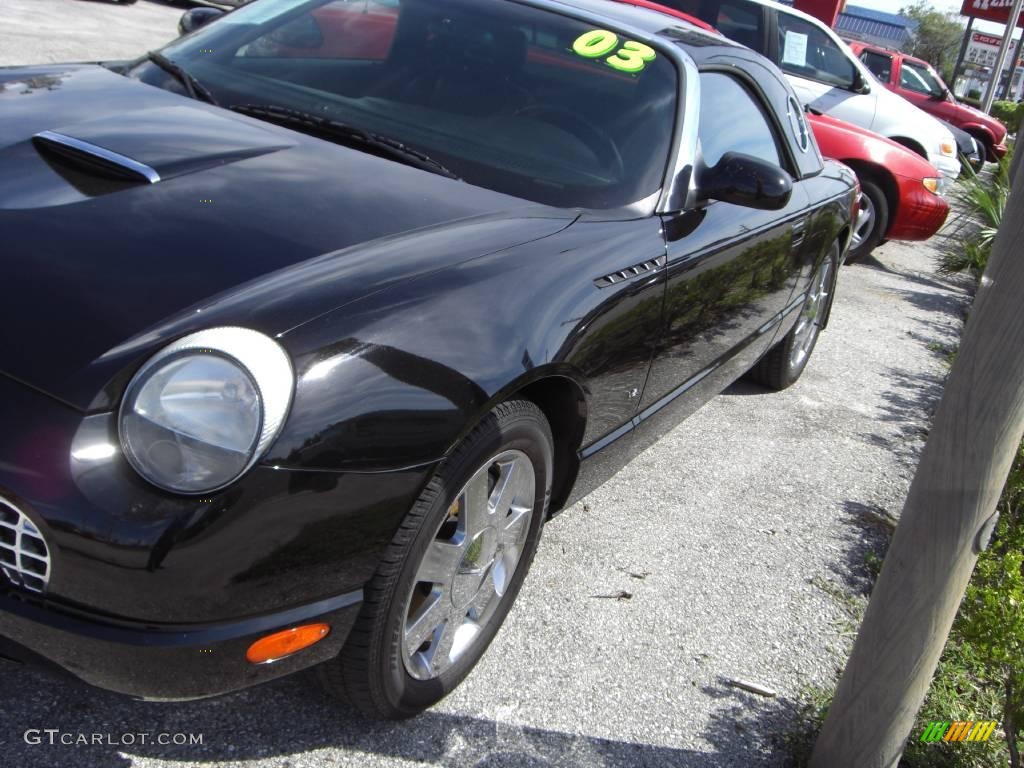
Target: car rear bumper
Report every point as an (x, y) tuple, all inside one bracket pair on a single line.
[(919, 213), (165, 662)]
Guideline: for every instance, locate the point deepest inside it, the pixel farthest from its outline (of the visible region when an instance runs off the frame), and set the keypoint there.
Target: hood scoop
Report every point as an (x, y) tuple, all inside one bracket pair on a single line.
[(92, 158), (72, 163)]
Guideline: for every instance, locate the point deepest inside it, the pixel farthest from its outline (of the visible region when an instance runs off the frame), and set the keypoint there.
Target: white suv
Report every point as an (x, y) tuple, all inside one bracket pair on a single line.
[(826, 74)]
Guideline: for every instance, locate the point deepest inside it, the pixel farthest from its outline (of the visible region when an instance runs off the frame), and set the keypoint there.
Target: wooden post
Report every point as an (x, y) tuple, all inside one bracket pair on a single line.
[(962, 471)]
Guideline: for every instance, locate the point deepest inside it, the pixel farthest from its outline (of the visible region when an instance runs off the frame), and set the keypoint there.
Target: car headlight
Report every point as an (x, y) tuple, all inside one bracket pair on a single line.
[(199, 413), (932, 184), (948, 148)]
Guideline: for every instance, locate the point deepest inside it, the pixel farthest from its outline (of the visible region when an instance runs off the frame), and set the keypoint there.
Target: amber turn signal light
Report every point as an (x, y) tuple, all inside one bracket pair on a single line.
[(286, 642)]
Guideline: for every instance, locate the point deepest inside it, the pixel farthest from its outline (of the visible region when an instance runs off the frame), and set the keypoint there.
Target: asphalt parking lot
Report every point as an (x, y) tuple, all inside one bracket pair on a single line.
[(731, 537)]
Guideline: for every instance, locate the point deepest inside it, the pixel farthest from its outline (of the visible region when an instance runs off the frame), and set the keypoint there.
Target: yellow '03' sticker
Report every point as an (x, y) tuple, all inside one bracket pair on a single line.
[(631, 56)]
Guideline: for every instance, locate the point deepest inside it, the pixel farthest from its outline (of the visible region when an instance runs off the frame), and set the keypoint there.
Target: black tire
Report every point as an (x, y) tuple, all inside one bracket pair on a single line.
[(371, 669), (975, 163), (880, 223), (781, 367), (985, 147)]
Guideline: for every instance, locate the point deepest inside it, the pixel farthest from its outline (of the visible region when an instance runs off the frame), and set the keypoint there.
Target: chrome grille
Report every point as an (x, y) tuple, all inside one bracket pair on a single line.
[(24, 556)]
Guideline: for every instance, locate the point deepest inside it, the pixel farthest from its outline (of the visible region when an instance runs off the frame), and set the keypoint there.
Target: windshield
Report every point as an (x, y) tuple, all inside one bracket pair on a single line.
[(916, 77), (509, 97)]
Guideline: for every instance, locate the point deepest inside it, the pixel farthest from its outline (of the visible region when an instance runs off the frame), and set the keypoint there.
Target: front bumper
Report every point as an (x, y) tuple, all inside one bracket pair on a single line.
[(919, 213), (159, 596), (998, 152), (165, 663)]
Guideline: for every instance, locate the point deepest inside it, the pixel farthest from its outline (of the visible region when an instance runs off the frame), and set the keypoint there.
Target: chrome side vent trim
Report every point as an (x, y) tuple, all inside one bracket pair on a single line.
[(630, 272), (24, 555), (92, 154)]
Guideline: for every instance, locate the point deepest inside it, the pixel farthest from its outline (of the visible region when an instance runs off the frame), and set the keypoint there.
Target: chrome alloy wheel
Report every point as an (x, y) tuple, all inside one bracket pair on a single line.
[(809, 325), (865, 222), (469, 564)]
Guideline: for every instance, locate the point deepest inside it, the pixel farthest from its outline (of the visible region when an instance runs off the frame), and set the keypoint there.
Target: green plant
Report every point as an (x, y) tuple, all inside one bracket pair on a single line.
[(1009, 113), (938, 34), (991, 617), (982, 200), (958, 692)]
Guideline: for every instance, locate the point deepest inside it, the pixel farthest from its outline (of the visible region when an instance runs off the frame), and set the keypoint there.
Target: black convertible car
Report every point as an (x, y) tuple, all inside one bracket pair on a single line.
[(312, 318)]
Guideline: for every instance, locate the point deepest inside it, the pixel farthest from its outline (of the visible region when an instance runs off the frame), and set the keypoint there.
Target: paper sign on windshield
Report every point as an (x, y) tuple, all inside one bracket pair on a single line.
[(795, 49)]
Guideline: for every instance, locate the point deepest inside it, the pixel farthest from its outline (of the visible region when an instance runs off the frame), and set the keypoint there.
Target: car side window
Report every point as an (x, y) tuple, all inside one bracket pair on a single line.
[(732, 119), (880, 64), (742, 22), (806, 51), (916, 78)]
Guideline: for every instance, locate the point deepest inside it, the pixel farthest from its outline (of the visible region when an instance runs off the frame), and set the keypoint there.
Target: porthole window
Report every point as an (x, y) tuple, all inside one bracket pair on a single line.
[(798, 124)]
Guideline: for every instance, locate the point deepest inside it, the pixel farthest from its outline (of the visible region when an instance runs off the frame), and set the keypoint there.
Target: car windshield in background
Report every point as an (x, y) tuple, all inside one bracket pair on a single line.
[(505, 96), (806, 51), (916, 77)]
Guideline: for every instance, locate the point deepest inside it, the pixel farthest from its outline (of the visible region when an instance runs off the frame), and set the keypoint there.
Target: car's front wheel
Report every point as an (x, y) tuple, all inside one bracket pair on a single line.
[(786, 360), (872, 221), (452, 571)]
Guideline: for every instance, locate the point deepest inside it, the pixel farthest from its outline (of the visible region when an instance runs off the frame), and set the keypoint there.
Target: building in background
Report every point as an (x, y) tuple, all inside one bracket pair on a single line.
[(979, 59), (889, 30)]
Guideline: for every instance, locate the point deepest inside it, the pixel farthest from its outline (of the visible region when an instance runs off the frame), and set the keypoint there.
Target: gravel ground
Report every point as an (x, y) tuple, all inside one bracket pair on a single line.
[(741, 536), (45, 31)]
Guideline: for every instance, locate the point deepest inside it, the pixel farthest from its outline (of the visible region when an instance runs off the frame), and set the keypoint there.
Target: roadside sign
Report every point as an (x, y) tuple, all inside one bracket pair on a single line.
[(990, 10)]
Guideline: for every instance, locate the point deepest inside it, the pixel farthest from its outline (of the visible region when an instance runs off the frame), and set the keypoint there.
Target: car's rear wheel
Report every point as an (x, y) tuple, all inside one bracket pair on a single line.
[(452, 571), (872, 221), (786, 360)]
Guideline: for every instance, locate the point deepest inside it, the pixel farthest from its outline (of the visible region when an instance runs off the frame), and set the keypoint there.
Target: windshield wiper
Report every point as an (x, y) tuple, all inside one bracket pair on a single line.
[(344, 133), (193, 87)]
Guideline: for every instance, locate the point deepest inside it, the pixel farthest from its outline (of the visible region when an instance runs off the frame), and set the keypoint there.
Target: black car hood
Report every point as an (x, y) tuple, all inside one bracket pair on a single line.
[(248, 224)]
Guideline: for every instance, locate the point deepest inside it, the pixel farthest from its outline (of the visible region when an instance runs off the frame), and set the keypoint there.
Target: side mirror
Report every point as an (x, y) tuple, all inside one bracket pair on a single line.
[(746, 180), (860, 84), (195, 18)]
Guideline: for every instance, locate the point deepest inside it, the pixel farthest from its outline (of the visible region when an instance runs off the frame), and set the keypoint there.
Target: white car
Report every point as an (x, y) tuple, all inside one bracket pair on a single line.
[(827, 75)]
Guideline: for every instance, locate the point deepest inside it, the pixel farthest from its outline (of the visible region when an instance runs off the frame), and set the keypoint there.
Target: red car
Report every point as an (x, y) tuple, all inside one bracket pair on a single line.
[(917, 82), (899, 188)]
